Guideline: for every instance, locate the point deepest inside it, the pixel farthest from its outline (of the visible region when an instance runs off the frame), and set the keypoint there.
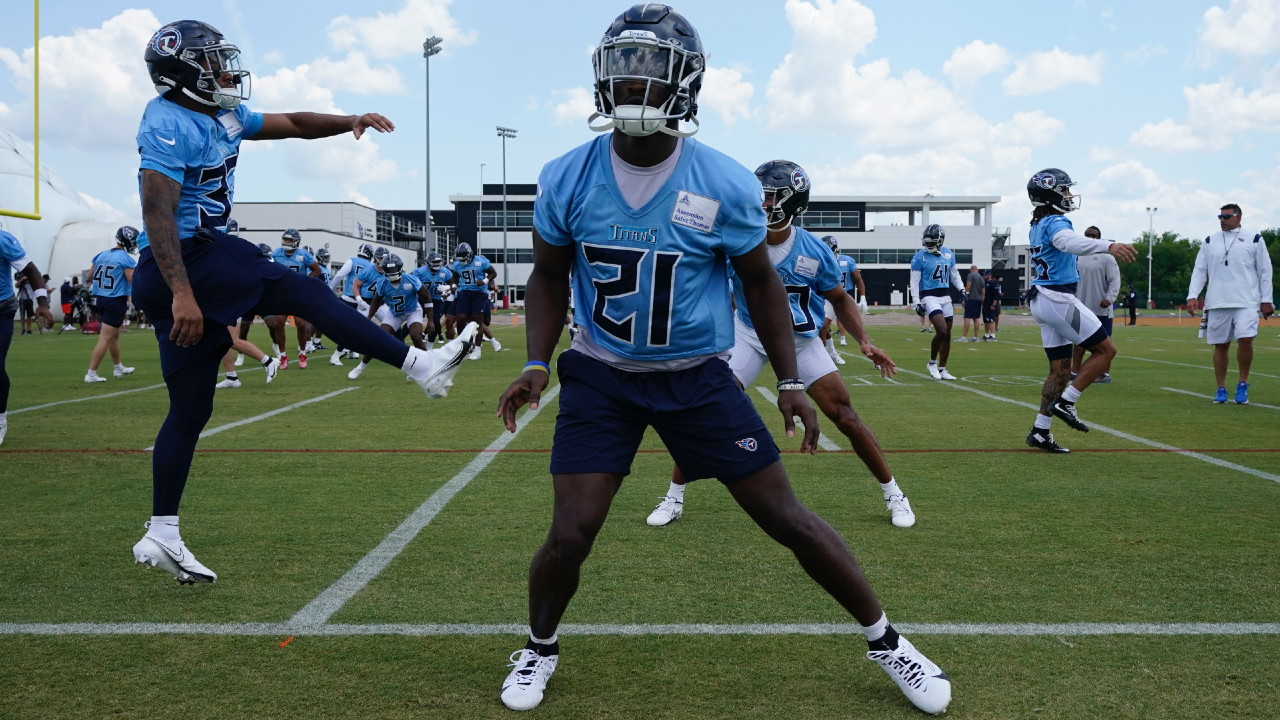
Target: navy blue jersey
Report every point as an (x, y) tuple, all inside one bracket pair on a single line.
[(807, 271), (402, 296), (108, 273), (1051, 266), (299, 261)]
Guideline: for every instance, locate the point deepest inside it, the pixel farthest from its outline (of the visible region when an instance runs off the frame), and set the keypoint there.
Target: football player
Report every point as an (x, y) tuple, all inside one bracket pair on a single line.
[(362, 287), (399, 299), (14, 257), (1064, 320), (293, 256), (472, 274), (343, 283), (829, 313), (322, 256), (933, 274), (112, 286), (436, 278), (850, 278), (193, 280), (646, 217)]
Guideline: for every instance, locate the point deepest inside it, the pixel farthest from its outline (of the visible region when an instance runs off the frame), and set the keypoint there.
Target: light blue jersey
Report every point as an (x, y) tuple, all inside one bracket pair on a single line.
[(434, 280), (14, 257), (1052, 266), (369, 277), (848, 266), (472, 275), (200, 153), (401, 297), (299, 261), (326, 276), (358, 265), (807, 271), (108, 273), (651, 284), (935, 272)]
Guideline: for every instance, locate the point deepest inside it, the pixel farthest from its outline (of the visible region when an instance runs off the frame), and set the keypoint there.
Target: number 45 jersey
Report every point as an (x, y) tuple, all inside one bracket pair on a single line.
[(197, 152), (651, 284)]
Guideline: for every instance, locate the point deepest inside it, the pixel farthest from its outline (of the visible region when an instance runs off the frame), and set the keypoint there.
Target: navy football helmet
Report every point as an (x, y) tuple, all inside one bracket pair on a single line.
[(648, 71), (831, 242), (365, 251), (435, 261), (265, 250), (322, 255), (291, 239), (380, 256), (933, 238), (786, 192), (393, 268), (127, 238), (464, 254), (233, 227), (195, 59), (1052, 187)]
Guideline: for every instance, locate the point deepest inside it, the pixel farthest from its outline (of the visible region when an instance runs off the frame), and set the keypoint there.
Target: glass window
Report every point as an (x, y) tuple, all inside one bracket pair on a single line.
[(819, 219), (964, 256), (515, 218)]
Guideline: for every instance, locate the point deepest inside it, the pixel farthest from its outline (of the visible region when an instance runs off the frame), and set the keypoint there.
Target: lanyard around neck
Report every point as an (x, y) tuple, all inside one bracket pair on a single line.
[(1226, 255)]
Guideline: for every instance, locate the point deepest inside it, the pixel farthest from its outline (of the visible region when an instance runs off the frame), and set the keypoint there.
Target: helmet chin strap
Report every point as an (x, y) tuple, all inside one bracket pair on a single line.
[(635, 127)]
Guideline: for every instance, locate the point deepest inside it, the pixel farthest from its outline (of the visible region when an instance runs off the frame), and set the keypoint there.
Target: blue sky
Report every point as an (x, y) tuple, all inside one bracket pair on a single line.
[(1173, 104)]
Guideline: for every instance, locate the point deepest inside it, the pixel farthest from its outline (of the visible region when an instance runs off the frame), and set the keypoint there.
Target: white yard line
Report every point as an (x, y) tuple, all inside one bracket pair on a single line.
[(1132, 438), (282, 629), (1210, 397), (273, 413), (824, 442), (1198, 367), (83, 399), (318, 611)]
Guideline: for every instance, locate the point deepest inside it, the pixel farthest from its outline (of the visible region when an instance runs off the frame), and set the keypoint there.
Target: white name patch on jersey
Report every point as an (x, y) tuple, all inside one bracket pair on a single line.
[(806, 266), (695, 211), (231, 123)]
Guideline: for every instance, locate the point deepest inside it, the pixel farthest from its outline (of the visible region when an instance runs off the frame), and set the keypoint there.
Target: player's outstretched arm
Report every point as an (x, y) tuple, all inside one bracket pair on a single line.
[(771, 314), (848, 315), (310, 126), (159, 203), (546, 302)]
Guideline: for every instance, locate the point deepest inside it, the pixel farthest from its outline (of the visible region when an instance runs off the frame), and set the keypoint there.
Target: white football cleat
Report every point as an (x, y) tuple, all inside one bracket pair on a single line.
[(4, 426), (272, 366), (239, 359), (838, 358), (356, 371), (497, 346), (445, 362), (943, 374), (475, 353), (120, 371), (173, 557), (228, 383), (336, 359), (667, 512), (93, 377), (523, 688), (843, 341), (900, 511), (923, 682), (933, 370)]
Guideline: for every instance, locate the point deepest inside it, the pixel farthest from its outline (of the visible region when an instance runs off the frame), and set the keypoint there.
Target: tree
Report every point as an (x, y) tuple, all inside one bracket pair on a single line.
[(1173, 259)]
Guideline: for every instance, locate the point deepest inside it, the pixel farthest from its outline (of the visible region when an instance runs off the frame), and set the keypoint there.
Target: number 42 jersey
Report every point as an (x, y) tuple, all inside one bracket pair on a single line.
[(651, 284)]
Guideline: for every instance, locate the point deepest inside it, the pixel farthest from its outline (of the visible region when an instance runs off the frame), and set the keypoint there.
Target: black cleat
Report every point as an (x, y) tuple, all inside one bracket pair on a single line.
[(1043, 440), (1066, 412)]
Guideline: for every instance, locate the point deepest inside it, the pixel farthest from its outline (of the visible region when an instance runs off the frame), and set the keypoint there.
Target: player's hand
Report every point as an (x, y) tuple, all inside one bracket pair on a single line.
[(1267, 310), (882, 361), (188, 321), (793, 403), (920, 309), (1193, 304), (526, 389), (371, 120), (44, 318), (1104, 304), (1123, 252)]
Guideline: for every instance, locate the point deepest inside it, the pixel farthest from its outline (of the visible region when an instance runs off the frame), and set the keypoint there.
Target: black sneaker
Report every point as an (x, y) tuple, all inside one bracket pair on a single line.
[(1066, 412), (1043, 440)]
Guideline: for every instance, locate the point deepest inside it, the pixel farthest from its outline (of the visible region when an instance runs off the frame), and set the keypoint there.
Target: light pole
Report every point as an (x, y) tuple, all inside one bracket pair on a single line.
[(480, 212), (429, 48), (1151, 242), (504, 133)]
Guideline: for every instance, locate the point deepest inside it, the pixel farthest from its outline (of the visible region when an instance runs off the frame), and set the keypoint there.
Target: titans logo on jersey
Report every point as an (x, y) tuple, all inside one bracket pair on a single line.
[(471, 276), (108, 273), (401, 297), (199, 153), (848, 266), (1051, 265), (651, 284), (435, 281), (299, 261), (935, 271), (807, 271)]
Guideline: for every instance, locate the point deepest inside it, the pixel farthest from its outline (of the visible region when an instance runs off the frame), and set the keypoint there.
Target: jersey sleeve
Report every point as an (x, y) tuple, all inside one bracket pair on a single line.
[(917, 262), (550, 212), (12, 252), (250, 122), (829, 275), (743, 228), (853, 264), (164, 149), (128, 262)]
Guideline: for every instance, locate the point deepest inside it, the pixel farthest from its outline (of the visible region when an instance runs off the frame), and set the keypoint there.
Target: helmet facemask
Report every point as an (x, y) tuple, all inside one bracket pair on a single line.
[(671, 74), (777, 216), (221, 81)]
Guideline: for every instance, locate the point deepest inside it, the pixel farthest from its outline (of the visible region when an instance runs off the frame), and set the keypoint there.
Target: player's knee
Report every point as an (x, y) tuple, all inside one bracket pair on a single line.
[(571, 544), (847, 420), (1244, 343)]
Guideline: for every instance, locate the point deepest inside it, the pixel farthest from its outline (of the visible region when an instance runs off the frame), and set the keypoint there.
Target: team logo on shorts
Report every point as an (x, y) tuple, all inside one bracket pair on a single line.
[(748, 444), (1045, 180), (166, 41)]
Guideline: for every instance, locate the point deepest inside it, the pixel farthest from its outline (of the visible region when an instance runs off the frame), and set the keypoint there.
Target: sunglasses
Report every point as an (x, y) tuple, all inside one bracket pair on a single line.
[(1226, 217)]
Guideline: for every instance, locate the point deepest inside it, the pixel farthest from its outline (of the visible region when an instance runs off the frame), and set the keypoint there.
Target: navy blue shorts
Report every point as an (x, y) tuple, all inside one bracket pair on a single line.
[(972, 308), (989, 313), (471, 302), (439, 309), (111, 309), (1106, 324), (706, 421), (452, 308)]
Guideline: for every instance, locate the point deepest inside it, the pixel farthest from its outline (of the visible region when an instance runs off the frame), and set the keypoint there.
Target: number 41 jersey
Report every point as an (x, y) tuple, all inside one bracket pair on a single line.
[(651, 284)]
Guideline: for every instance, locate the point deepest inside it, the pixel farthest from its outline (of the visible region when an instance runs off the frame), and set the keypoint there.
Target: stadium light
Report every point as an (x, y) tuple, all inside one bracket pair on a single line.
[(1151, 241), (35, 173), (430, 47), (504, 133)]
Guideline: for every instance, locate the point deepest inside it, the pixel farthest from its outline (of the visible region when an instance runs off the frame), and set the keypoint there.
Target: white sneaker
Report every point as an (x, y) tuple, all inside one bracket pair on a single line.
[(668, 511), (173, 557), (962, 339), (838, 358), (356, 371), (523, 688), (900, 510), (93, 377), (933, 370), (843, 341), (475, 353), (923, 682), (4, 426), (445, 362), (944, 375), (120, 371), (272, 366), (497, 346), (336, 359), (228, 383), (239, 359)]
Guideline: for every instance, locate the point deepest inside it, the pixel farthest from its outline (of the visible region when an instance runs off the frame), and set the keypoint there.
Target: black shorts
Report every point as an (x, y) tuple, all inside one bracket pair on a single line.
[(706, 421), (1106, 323), (27, 308), (471, 302), (989, 313), (111, 310), (972, 309)]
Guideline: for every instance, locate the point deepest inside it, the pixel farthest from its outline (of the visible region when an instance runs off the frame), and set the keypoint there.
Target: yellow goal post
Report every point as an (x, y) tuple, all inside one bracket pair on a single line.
[(35, 175)]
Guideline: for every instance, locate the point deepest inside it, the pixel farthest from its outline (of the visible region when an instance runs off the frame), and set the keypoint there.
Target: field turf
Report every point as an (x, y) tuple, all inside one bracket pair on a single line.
[(1120, 531)]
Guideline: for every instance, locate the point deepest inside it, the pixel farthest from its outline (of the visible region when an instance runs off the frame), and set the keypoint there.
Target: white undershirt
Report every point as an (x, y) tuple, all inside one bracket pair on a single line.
[(778, 253), (638, 185)]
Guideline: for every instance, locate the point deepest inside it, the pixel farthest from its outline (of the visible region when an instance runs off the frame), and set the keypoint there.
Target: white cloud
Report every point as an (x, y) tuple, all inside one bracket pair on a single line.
[(1168, 136), (340, 158), (104, 211), (1029, 128), (913, 174), (353, 194), (1250, 28), (1043, 71), (1098, 153), (291, 90), (576, 107), (1117, 198), (1127, 180), (354, 74), (727, 94), (390, 35), (1215, 112), (969, 64)]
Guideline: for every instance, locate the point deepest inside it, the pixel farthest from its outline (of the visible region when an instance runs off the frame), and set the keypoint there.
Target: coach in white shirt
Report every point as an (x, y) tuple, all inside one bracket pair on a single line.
[(1235, 264)]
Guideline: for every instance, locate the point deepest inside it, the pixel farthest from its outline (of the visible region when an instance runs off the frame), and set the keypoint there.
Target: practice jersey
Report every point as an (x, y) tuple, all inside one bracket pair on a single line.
[(299, 261), (108, 273), (358, 265), (369, 277), (807, 271), (848, 266), (1051, 266), (326, 275), (472, 276), (435, 280), (13, 255), (935, 271), (198, 152), (401, 297), (651, 284)]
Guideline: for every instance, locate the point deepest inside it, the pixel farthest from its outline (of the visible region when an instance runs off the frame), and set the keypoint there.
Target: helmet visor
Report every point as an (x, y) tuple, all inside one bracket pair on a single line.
[(221, 74), (637, 62)]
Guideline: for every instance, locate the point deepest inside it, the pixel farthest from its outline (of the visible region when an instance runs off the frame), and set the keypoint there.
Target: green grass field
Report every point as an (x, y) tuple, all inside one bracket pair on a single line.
[(1121, 531)]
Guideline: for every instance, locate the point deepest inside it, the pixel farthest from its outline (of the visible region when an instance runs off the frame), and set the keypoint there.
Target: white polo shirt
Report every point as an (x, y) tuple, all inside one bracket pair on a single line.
[(1237, 268)]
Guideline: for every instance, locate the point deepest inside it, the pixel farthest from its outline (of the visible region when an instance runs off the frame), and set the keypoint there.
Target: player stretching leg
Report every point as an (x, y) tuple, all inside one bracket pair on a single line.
[(398, 301), (933, 273), (343, 283), (315, 343), (112, 273), (472, 273), (1064, 320), (193, 280), (812, 277), (291, 255), (645, 218), (14, 259)]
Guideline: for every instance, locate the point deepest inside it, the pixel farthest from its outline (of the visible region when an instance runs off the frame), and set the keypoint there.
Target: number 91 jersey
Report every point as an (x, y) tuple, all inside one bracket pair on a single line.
[(808, 270), (199, 153), (651, 284)]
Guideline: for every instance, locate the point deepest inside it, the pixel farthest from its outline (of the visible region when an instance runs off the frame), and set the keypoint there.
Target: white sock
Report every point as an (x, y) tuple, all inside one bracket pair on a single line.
[(876, 631), (266, 361), (1043, 422), (493, 341), (831, 346), (890, 489), (240, 356), (942, 368), (1071, 394), (92, 372), (275, 349), (364, 364), (119, 366), (232, 376), (676, 491), (164, 527), (540, 641), (416, 364), (301, 351)]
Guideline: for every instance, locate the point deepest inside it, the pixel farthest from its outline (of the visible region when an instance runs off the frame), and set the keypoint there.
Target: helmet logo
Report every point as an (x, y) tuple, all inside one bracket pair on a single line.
[(166, 41), (799, 180), (1045, 180)]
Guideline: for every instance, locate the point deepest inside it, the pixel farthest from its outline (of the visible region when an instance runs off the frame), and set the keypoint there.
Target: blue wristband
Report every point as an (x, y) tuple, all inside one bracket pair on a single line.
[(540, 365)]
